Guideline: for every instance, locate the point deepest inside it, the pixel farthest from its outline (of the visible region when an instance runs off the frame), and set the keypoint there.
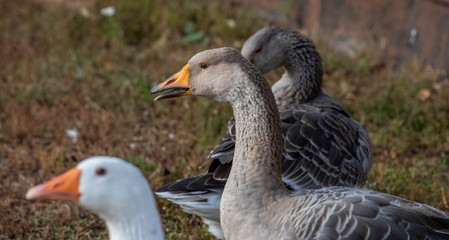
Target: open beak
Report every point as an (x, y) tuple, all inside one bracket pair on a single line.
[(61, 188), (178, 84)]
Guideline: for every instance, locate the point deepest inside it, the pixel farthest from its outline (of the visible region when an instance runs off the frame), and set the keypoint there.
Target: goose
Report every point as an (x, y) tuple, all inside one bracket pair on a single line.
[(112, 188), (255, 203), (323, 145)]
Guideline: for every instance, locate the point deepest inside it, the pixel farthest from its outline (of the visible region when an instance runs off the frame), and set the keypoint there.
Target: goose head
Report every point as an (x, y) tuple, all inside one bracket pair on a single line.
[(272, 47), (214, 74), (265, 49), (113, 188)]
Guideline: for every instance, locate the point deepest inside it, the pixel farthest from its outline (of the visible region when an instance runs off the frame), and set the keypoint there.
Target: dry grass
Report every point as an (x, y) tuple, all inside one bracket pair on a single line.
[(61, 70)]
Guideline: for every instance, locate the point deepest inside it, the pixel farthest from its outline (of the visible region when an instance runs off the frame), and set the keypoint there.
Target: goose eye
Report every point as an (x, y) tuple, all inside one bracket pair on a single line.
[(258, 50), (100, 171), (203, 65)]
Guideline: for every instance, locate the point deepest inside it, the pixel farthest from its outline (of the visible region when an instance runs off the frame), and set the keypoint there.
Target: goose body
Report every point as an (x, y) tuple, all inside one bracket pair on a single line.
[(323, 145), (112, 188), (255, 203)]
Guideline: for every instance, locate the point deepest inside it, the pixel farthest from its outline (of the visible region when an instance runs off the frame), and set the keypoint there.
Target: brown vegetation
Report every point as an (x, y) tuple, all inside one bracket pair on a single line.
[(63, 70)]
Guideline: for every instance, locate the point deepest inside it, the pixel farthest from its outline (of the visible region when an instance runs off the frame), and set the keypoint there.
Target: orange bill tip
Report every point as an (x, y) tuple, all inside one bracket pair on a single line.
[(176, 85), (64, 187)]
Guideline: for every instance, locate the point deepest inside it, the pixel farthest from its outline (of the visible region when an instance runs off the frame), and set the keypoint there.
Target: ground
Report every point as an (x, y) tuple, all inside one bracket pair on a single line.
[(68, 68)]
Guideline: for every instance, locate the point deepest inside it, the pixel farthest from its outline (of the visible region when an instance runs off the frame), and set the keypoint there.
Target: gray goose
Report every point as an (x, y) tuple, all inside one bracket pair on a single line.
[(323, 146), (255, 202), (112, 188)]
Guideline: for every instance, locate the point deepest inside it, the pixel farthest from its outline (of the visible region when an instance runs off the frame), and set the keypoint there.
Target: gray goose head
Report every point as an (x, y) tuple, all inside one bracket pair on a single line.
[(266, 49), (272, 47), (214, 74)]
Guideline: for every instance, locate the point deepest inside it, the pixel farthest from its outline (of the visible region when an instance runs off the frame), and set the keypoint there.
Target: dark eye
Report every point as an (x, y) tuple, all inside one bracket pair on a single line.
[(258, 50), (203, 65), (100, 171)]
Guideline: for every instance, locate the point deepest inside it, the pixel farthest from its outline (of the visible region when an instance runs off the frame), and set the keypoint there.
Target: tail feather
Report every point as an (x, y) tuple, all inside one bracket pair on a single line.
[(198, 195)]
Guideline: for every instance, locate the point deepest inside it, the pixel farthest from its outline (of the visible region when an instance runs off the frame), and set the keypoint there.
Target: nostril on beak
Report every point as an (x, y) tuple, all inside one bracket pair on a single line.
[(57, 184), (170, 82)]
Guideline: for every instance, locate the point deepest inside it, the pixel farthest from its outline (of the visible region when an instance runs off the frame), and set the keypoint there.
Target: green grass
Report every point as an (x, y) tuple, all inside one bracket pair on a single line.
[(62, 70)]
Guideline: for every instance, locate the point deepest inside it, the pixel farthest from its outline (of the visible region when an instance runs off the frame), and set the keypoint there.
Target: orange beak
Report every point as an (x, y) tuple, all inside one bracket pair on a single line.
[(178, 84), (61, 188)]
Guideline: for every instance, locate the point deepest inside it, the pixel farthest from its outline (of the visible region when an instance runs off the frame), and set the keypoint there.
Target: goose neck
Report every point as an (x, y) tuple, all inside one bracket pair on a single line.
[(140, 221), (257, 158), (303, 69)]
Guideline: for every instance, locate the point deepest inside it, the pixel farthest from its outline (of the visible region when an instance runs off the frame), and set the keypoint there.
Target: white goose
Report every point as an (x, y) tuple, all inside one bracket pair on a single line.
[(323, 145), (255, 203), (112, 188)]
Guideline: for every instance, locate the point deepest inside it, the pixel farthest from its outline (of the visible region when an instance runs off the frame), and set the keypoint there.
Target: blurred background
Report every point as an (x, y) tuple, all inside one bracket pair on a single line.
[(75, 79)]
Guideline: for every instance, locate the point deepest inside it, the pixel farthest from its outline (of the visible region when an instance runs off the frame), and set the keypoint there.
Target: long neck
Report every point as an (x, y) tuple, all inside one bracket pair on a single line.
[(138, 222), (303, 77), (257, 158)]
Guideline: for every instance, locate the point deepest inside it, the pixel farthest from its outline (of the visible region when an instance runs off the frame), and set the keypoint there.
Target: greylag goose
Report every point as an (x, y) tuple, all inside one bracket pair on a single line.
[(323, 145), (255, 203), (114, 189)]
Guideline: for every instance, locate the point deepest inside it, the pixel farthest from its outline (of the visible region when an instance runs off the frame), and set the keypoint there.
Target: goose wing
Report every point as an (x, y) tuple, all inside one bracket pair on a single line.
[(198, 195), (221, 157), (322, 147), (344, 213), (201, 192)]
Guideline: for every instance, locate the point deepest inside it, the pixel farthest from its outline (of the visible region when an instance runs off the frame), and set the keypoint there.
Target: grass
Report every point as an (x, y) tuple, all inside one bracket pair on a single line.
[(65, 69)]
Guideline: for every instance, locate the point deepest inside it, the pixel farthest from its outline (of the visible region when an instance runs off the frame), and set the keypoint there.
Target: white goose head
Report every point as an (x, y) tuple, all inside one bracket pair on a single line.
[(114, 189)]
